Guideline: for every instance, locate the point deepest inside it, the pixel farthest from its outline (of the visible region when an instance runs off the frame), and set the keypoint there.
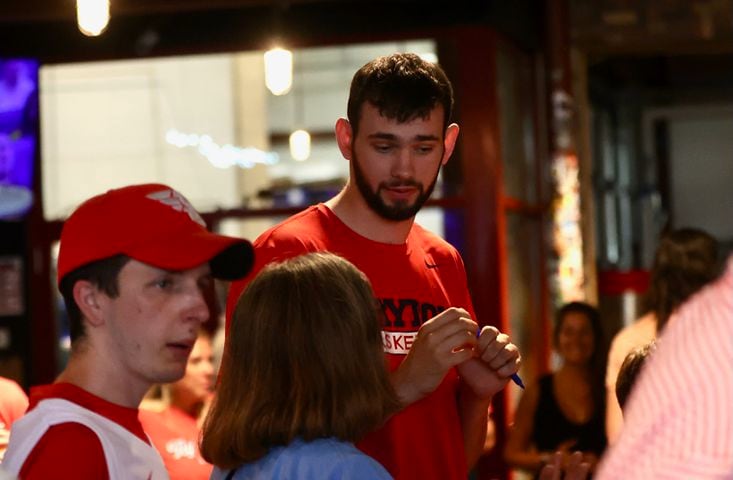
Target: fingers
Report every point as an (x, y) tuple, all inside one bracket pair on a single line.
[(444, 341), (450, 330), (447, 318), (497, 350), (552, 470), (576, 468)]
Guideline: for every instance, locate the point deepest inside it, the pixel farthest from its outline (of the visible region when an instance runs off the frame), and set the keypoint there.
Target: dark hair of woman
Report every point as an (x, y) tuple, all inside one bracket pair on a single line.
[(686, 259)]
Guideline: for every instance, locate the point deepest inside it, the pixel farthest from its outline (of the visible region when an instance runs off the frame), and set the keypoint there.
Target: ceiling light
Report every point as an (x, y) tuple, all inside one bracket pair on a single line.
[(278, 70), (300, 145), (92, 16)]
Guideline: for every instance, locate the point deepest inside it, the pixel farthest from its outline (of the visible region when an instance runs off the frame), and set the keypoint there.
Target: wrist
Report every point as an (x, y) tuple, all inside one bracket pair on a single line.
[(406, 392)]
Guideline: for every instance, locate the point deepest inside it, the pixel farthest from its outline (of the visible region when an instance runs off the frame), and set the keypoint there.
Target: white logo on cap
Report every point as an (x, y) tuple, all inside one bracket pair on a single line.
[(178, 203)]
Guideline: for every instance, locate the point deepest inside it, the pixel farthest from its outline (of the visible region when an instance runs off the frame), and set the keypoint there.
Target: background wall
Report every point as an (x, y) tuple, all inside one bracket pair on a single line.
[(701, 169)]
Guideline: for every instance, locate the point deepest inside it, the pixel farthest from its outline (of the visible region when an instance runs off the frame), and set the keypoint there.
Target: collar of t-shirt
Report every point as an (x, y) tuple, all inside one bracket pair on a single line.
[(125, 416)]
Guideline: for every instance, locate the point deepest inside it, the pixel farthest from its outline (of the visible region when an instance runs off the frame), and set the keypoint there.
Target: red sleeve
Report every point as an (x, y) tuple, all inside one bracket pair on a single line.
[(71, 449), (268, 248)]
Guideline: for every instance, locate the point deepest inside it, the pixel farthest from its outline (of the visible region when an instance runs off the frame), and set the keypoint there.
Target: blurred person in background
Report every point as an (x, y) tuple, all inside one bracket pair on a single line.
[(678, 419), (174, 426), (13, 404), (685, 260), (565, 410)]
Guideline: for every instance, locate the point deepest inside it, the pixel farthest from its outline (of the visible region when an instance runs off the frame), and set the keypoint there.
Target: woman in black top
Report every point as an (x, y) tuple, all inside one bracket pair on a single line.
[(564, 410)]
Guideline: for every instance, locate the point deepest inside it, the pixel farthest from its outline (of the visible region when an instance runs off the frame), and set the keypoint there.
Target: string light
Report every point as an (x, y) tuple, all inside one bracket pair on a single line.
[(221, 156)]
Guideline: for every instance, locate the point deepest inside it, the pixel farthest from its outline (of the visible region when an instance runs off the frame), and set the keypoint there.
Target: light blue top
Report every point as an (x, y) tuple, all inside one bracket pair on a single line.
[(321, 459)]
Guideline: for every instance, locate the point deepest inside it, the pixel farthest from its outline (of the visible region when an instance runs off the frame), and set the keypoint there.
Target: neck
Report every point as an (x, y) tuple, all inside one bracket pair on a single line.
[(87, 371), (349, 206)]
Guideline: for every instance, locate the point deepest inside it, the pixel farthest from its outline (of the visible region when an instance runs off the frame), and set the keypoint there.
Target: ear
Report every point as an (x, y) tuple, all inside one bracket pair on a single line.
[(344, 137), (449, 142), (89, 299)]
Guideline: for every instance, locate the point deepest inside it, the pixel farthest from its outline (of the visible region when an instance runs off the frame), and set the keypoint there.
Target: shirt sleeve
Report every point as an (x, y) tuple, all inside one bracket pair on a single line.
[(71, 448)]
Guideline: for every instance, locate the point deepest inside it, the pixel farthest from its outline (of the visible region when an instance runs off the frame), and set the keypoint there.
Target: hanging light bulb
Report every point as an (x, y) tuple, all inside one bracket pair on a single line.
[(92, 16), (278, 70), (300, 145)]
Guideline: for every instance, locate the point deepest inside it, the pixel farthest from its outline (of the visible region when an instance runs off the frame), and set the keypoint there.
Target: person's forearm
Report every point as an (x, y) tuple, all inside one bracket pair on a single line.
[(474, 413), (526, 460), (406, 392), (614, 417)]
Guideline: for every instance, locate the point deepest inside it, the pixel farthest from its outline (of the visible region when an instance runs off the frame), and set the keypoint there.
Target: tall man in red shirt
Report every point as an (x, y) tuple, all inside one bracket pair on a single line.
[(397, 136), (134, 264)]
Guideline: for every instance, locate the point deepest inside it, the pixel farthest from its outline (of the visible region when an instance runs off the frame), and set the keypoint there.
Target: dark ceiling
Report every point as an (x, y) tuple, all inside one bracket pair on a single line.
[(665, 49), (46, 29), (652, 27), (655, 43)]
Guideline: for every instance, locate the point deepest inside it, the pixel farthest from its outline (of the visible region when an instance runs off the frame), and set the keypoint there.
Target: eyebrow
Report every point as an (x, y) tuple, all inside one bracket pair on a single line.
[(393, 137)]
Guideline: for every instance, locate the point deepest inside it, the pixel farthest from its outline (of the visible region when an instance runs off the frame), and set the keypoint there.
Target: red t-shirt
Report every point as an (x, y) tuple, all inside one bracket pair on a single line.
[(72, 449), (175, 435), (413, 282)]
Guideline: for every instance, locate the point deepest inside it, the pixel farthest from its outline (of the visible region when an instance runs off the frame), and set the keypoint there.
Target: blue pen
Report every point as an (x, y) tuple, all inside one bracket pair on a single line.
[(515, 378)]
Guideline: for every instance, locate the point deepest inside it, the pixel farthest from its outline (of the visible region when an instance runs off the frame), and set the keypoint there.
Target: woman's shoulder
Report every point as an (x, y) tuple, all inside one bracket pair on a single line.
[(638, 333), (323, 458), (339, 460)]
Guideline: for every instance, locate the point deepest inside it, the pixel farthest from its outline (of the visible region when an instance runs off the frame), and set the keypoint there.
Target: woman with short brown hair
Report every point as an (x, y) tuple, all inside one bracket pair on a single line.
[(303, 376)]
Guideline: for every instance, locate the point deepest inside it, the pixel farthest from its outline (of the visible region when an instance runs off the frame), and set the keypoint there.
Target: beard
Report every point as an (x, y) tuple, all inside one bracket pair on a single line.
[(400, 210)]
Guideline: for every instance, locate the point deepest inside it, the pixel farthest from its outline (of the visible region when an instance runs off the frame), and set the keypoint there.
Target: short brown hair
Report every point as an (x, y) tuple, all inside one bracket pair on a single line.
[(103, 274), (630, 369), (303, 358), (402, 86)]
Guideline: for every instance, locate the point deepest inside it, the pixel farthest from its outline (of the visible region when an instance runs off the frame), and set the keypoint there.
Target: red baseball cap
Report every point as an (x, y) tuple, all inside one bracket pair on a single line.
[(153, 224)]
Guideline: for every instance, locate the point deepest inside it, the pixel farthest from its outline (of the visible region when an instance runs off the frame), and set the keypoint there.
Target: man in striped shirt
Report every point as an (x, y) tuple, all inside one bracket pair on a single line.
[(679, 420)]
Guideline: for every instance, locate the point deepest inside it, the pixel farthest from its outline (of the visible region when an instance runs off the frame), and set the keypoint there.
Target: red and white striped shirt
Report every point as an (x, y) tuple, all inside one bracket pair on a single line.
[(679, 420)]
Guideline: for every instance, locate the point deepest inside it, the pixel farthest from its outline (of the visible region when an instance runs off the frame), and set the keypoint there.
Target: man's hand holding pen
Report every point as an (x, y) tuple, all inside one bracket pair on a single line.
[(495, 361)]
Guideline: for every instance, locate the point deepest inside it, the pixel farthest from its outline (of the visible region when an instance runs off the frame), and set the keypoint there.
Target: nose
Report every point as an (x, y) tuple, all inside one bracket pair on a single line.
[(402, 164), (197, 309), (208, 368)]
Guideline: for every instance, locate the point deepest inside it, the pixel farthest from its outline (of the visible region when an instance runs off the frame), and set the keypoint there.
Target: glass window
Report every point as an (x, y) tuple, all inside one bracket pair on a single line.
[(186, 121)]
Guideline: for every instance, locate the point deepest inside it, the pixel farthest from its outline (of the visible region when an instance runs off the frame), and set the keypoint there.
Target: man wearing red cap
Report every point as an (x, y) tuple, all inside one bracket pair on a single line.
[(133, 267)]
